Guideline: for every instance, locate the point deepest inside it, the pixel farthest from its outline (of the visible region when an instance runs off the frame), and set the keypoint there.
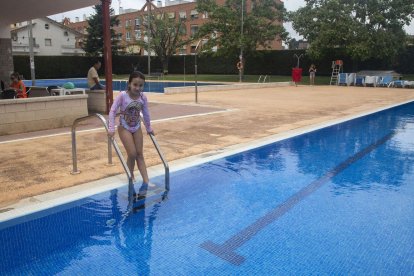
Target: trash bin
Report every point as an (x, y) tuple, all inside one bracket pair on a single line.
[(296, 75)]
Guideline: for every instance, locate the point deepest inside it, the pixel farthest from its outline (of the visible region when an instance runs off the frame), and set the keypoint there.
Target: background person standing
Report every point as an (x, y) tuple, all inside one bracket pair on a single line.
[(312, 72)]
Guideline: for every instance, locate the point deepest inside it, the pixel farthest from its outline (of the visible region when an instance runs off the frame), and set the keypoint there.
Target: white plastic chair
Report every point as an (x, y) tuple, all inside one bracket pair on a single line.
[(351, 79), (371, 80)]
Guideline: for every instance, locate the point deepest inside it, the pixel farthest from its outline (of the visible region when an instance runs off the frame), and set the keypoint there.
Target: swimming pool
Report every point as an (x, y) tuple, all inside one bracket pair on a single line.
[(150, 86), (339, 200)]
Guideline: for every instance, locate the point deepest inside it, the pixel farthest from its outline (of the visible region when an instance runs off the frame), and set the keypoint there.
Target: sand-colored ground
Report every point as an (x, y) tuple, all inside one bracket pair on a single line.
[(32, 167)]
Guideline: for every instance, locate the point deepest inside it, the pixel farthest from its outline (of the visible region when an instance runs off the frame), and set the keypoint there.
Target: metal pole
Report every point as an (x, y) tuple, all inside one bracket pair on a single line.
[(109, 151), (74, 154), (107, 53), (195, 70), (241, 42), (195, 76), (31, 53), (149, 36)]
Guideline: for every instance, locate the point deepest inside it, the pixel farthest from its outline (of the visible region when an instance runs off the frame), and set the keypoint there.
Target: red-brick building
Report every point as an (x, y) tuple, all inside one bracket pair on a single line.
[(130, 28)]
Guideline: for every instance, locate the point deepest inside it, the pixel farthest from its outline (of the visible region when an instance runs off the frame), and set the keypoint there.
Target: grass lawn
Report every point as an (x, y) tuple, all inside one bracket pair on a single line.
[(319, 80)]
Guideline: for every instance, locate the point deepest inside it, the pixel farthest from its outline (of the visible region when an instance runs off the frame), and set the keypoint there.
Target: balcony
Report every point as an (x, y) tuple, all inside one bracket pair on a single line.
[(18, 48), (71, 50)]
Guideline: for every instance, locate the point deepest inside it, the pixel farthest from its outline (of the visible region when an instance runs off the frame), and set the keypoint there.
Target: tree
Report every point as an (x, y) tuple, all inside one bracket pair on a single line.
[(364, 29), (261, 25), (167, 36), (94, 41)]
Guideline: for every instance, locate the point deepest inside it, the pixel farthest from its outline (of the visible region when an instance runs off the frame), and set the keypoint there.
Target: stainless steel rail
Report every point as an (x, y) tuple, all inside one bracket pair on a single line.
[(110, 141), (164, 161), (117, 150)]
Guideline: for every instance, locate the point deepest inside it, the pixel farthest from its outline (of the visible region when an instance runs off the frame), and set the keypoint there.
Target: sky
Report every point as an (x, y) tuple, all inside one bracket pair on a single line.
[(290, 5)]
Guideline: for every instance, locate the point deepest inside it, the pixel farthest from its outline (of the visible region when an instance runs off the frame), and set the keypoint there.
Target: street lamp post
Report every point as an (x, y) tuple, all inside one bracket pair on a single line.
[(31, 52), (195, 70), (241, 43), (148, 35)]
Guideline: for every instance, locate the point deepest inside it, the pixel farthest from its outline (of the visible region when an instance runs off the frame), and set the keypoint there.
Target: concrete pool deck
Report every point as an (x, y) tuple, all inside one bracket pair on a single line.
[(41, 164)]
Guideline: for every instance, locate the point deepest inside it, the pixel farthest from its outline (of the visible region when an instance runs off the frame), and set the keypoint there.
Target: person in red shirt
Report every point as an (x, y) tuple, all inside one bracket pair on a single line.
[(18, 85)]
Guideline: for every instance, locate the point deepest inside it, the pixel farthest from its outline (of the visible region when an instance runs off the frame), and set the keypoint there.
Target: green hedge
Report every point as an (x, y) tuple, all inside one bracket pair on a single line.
[(262, 63)]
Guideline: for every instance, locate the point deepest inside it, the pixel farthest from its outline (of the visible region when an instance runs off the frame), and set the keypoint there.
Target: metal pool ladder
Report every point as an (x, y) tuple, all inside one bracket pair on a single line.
[(117, 150), (260, 78)]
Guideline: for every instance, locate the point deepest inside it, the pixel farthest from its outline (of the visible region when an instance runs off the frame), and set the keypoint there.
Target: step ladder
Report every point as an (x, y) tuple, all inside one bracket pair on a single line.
[(337, 67)]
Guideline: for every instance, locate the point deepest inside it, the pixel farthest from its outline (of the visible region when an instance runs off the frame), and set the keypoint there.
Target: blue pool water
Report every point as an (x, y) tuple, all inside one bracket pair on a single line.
[(336, 201), (150, 86)]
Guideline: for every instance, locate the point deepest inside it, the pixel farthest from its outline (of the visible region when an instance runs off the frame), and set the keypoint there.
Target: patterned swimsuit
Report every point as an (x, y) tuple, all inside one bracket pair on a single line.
[(130, 112)]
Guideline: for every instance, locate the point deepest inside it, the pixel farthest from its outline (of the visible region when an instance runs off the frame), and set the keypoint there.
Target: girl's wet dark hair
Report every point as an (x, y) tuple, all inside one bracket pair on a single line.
[(136, 74)]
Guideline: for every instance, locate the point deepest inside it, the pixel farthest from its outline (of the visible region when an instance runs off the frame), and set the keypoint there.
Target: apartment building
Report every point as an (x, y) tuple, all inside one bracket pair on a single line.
[(130, 28), (50, 38)]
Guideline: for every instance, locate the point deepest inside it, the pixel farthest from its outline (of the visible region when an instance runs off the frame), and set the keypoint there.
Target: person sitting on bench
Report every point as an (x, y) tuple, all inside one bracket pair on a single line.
[(93, 77), (18, 85)]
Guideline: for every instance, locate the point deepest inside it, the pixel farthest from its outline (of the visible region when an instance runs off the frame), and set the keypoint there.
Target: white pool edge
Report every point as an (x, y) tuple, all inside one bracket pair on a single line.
[(56, 198)]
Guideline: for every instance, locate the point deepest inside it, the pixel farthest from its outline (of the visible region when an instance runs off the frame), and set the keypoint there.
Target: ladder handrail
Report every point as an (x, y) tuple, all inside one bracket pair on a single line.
[(164, 161), (110, 140), (117, 150), (264, 79), (259, 78)]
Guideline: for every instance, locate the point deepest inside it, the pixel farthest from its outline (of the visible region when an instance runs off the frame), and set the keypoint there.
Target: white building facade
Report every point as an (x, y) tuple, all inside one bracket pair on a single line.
[(50, 39)]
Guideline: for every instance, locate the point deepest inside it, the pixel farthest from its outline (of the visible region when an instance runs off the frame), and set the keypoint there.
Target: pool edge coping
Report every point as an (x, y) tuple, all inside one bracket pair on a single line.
[(48, 200)]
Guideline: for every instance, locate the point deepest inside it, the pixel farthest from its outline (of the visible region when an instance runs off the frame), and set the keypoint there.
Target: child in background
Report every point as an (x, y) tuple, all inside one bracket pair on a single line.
[(131, 103), (18, 85), (312, 72)]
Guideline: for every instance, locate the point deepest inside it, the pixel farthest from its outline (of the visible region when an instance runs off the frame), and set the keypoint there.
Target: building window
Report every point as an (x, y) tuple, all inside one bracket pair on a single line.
[(183, 50), (183, 29), (48, 42), (137, 34), (183, 14), (137, 21), (205, 15), (126, 23), (194, 29), (171, 15), (128, 36), (193, 48), (14, 36), (65, 33), (47, 26), (194, 14)]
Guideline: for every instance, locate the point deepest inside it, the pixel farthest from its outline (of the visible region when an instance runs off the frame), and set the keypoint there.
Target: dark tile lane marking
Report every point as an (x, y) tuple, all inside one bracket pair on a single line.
[(226, 251)]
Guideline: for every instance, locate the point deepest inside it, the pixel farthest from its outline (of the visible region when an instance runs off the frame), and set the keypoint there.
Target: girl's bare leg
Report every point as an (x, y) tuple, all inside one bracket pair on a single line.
[(129, 144), (138, 140)]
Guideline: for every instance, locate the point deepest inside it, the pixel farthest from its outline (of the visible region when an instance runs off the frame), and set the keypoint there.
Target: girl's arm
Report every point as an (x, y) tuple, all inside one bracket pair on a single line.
[(112, 114), (146, 115)]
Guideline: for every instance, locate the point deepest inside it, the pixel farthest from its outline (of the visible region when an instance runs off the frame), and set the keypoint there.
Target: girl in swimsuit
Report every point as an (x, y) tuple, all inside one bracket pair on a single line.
[(131, 103)]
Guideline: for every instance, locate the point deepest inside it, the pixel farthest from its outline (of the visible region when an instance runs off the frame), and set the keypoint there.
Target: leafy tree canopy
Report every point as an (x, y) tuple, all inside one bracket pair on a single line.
[(363, 28), (94, 41), (262, 24)]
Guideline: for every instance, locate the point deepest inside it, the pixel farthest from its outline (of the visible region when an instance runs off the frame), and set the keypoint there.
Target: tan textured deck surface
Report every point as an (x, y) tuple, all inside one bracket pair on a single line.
[(35, 166)]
